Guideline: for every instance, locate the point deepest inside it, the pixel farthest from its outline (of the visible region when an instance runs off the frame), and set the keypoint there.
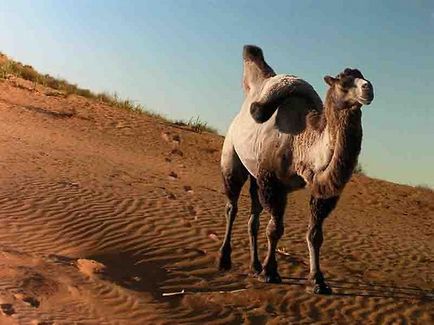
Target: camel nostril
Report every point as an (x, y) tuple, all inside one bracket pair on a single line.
[(366, 86)]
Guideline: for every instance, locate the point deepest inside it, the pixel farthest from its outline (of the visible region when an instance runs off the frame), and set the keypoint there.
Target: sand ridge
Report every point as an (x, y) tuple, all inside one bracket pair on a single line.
[(103, 211)]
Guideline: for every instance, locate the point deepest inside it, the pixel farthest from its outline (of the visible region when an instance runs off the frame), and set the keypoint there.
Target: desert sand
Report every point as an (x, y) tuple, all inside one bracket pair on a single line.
[(104, 212)]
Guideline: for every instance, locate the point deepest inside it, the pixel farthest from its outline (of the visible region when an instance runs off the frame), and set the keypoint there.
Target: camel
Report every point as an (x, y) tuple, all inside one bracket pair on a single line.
[(284, 139)]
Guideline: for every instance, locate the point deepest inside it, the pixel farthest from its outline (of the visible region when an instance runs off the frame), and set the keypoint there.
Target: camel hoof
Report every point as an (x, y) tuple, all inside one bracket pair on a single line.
[(272, 278), (225, 263), (320, 289)]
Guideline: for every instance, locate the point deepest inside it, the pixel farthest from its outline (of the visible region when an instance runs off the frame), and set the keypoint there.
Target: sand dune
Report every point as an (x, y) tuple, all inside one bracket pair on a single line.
[(103, 211)]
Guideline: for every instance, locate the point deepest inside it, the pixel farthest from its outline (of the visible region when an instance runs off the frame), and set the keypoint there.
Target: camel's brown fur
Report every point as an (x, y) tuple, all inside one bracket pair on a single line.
[(297, 143)]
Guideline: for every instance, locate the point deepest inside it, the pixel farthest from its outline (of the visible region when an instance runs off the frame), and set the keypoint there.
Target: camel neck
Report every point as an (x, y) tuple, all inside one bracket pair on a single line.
[(345, 131)]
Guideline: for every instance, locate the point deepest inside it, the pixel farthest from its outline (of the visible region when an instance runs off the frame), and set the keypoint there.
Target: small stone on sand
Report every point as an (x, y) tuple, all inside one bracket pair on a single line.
[(90, 267)]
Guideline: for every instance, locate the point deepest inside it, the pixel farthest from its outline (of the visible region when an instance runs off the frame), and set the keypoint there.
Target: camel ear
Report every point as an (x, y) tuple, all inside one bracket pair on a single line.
[(329, 80), (256, 70)]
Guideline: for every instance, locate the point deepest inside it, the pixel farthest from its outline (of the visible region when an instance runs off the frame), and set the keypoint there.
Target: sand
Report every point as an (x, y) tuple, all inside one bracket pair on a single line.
[(110, 217)]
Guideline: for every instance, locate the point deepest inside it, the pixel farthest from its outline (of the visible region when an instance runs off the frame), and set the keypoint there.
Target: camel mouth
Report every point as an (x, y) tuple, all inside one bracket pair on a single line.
[(366, 100)]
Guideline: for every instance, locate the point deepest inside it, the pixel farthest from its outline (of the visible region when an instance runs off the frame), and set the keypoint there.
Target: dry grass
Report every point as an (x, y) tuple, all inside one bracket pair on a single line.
[(424, 188), (197, 125), (10, 67)]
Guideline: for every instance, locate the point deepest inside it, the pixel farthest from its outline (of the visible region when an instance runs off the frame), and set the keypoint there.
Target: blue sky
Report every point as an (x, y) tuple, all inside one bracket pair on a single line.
[(183, 59)]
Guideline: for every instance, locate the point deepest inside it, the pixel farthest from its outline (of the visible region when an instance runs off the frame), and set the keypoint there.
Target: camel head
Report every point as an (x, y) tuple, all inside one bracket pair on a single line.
[(350, 89)]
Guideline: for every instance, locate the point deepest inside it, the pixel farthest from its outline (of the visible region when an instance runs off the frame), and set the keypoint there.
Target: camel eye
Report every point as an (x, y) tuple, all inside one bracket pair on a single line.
[(346, 82)]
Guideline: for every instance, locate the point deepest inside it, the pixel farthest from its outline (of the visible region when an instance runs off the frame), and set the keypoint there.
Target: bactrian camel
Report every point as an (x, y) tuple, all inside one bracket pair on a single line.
[(285, 139)]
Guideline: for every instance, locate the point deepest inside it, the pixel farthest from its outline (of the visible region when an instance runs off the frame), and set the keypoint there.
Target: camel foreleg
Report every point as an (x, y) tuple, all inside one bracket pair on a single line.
[(320, 209), (272, 195)]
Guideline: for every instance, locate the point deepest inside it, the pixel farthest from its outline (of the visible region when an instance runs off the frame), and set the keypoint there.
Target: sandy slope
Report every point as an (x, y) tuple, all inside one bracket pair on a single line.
[(103, 210)]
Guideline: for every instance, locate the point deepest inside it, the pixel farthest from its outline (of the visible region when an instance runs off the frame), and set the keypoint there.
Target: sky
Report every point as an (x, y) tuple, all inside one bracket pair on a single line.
[(182, 58)]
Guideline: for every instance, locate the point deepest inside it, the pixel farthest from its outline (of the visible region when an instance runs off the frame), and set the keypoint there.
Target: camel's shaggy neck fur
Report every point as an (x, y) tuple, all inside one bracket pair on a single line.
[(344, 128)]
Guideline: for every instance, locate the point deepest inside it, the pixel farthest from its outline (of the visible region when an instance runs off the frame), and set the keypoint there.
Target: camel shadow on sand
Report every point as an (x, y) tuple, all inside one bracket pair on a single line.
[(372, 290), (134, 272)]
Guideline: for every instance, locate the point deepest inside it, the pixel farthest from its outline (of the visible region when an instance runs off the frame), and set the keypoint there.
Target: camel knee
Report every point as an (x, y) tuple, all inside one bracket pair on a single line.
[(231, 210), (275, 229), (321, 208), (314, 234)]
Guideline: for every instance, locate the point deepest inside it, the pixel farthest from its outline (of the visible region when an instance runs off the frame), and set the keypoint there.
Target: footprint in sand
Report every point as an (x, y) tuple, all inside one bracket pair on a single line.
[(173, 176), (187, 223), (165, 136), (178, 152), (31, 301), (43, 322), (171, 196), (176, 140), (192, 210), (28, 300), (7, 309), (173, 139)]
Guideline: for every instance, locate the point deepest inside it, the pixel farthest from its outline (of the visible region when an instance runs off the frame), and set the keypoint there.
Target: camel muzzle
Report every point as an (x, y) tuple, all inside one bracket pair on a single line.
[(367, 94)]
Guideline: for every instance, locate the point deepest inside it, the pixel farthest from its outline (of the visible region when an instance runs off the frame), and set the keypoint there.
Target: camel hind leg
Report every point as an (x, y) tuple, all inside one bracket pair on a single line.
[(234, 176), (255, 212)]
